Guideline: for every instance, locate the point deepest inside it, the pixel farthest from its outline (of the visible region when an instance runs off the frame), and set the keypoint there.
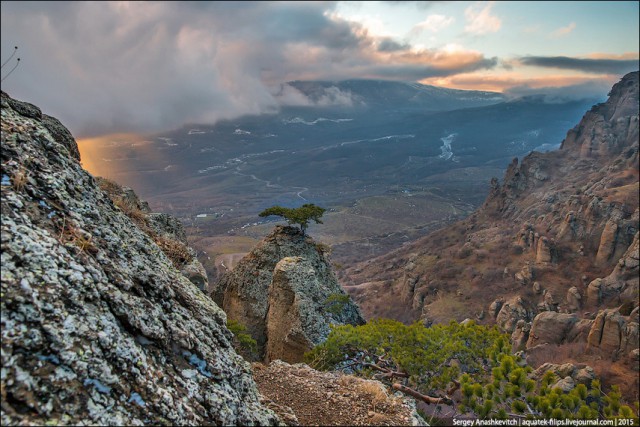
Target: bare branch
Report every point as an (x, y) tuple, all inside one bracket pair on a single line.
[(427, 399), (15, 49)]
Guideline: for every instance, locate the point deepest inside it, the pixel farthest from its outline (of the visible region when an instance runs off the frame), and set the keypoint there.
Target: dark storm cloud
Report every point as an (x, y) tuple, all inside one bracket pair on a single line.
[(105, 67), (418, 71), (587, 65), (390, 45)]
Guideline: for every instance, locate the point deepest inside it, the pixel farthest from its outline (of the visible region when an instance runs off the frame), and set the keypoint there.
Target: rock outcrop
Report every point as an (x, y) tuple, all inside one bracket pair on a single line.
[(574, 299), (576, 374), (511, 313), (614, 333), (98, 326), (551, 327), (286, 295)]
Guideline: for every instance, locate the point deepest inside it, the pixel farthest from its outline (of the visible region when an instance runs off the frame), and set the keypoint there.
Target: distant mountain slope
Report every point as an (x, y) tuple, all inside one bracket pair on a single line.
[(393, 95), (559, 234)]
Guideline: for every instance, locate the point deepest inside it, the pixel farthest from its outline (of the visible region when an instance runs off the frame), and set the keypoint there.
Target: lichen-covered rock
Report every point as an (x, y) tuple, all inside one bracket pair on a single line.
[(595, 291), (244, 293), (525, 275), (98, 327), (607, 241), (584, 375), (163, 223), (543, 251)]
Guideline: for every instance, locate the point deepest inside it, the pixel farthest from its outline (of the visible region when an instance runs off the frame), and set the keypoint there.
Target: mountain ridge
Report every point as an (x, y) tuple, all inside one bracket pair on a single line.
[(559, 222)]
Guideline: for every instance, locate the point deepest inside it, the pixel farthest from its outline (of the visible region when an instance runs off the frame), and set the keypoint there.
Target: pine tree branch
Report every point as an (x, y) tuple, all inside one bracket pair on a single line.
[(427, 399)]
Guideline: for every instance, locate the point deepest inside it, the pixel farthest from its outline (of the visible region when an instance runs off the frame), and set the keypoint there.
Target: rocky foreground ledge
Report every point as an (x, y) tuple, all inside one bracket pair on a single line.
[(98, 325)]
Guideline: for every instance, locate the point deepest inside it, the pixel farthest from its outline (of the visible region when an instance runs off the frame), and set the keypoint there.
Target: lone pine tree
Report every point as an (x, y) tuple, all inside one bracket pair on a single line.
[(300, 216)]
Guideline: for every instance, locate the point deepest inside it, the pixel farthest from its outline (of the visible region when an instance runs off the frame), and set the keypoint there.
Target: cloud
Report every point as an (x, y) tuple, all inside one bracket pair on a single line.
[(561, 32), (107, 67), (419, 4), (553, 87), (479, 19), (595, 89), (587, 65), (390, 45), (433, 24), (289, 94)]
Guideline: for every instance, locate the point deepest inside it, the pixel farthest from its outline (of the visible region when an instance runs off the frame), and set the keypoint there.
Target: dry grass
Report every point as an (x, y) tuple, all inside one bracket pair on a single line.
[(373, 391), (323, 248), (127, 206), (19, 179), (110, 187), (77, 237), (175, 250)]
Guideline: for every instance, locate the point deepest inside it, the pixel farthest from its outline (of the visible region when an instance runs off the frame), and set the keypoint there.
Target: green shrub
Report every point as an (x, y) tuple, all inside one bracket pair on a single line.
[(493, 382), (335, 303), (243, 343)]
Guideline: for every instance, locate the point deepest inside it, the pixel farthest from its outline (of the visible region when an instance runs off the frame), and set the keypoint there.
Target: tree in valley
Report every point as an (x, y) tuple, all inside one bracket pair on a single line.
[(300, 216)]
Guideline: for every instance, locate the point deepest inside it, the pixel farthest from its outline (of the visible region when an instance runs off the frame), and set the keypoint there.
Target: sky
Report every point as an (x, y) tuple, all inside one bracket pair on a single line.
[(144, 67)]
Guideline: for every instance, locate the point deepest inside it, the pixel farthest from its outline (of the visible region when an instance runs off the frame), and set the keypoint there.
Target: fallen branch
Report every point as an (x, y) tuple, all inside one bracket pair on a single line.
[(386, 371), (427, 399)]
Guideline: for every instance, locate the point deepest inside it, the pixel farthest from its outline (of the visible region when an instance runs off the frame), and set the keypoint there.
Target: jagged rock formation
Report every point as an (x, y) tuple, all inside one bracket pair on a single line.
[(98, 326), (551, 327), (563, 231), (574, 299), (286, 294), (512, 312), (614, 333), (622, 284)]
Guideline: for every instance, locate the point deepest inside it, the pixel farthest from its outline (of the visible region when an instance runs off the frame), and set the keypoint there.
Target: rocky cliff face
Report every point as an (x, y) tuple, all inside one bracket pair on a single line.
[(559, 234), (98, 325), (286, 294)]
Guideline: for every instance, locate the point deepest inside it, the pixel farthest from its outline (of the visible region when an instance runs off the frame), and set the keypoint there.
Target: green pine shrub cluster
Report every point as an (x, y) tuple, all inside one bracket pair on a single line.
[(510, 392), (300, 216), (336, 302), (243, 343), (435, 361)]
